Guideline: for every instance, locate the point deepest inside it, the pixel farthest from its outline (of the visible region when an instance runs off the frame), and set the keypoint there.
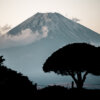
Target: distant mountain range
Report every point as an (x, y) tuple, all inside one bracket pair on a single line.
[(39, 37)]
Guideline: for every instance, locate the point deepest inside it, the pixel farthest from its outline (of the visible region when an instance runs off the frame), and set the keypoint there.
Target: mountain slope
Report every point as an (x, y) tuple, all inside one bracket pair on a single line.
[(58, 26)]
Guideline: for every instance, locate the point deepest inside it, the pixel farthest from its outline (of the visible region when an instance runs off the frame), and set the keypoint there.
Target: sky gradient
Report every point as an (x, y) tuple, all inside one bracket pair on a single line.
[(13, 12)]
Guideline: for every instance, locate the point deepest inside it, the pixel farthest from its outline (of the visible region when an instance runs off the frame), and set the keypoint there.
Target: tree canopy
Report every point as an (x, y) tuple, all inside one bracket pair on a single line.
[(74, 59)]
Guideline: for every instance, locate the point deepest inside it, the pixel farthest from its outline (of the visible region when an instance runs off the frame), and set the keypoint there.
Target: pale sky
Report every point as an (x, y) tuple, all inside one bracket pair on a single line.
[(13, 12)]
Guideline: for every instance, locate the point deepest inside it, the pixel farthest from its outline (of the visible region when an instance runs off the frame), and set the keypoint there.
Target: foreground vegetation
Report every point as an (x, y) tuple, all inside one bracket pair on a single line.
[(58, 91), (14, 85)]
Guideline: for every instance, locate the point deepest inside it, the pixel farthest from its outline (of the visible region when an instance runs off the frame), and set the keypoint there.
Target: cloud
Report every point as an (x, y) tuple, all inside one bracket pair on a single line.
[(75, 19), (25, 37), (44, 31), (4, 29)]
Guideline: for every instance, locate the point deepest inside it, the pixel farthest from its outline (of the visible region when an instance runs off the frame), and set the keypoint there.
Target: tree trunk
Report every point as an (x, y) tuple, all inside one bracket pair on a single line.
[(79, 84), (79, 80)]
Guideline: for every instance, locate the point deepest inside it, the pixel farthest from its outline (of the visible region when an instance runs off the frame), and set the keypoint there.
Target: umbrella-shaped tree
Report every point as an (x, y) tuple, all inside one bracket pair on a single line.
[(76, 60)]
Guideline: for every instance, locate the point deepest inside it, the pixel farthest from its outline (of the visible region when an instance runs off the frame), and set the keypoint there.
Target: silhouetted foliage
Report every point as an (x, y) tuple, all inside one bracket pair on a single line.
[(76, 60), (15, 84), (62, 92), (1, 60), (52, 91)]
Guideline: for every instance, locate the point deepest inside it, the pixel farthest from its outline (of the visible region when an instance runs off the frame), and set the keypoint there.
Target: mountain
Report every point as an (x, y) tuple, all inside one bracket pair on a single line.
[(58, 26), (48, 32)]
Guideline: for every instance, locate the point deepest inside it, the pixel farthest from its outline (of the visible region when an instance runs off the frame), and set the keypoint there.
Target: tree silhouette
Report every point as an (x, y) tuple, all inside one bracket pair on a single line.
[(76, 60), (1, 60), (12, 82)]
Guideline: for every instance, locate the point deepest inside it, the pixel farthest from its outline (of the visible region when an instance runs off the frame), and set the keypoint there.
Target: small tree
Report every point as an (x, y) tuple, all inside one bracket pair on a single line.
[(1, 60), (76, 60)]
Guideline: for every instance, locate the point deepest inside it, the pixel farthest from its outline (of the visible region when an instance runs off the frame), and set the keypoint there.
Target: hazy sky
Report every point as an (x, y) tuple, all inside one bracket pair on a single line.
[(13, 12)]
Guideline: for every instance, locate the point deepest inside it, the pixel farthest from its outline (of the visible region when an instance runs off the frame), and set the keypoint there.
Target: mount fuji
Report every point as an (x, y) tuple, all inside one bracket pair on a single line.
[(35, 39), (56, 26)]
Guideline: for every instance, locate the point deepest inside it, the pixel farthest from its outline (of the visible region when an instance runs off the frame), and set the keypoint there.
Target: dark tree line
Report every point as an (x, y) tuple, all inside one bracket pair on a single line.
[(76, 60), (15, 84)]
